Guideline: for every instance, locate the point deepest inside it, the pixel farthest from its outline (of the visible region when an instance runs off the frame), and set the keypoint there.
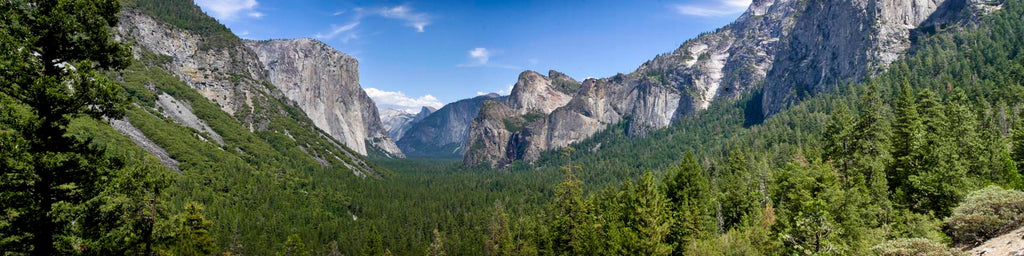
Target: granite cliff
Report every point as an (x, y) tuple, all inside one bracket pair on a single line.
[(398, 121), (781, 49), (443, 133), (324, 83)]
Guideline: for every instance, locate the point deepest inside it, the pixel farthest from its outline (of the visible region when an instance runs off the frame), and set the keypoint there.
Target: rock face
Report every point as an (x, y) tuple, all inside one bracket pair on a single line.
[(846, 41), (793, 48), (533, 97), (182, 114), (228, 76), (443, 133), (145, 143), (219, 66), (324, 83), (398, 121)]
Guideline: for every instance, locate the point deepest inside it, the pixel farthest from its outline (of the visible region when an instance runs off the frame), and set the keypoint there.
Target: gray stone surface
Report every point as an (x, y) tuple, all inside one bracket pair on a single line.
[(787, 48), (324, 83)]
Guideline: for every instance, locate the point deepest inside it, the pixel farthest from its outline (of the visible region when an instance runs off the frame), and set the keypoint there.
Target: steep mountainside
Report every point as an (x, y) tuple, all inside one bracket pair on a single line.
[(792, 48), (227, 74), (396, 122), (533, 96), (443, 133), (324, 83), (848, 40)]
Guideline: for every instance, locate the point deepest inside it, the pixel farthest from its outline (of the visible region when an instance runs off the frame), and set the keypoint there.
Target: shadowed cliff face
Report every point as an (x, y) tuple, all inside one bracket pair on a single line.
[(232, 77), (397, 122), (786, 49), (846, 41), (442, 134), (324, 83)]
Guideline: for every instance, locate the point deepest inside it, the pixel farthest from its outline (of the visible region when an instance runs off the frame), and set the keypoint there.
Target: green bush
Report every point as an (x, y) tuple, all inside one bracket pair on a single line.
[(985, 214), (914, 247)]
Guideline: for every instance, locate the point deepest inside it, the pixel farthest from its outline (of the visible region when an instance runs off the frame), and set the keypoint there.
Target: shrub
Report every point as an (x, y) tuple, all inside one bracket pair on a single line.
[(985, 214), (914, 247)]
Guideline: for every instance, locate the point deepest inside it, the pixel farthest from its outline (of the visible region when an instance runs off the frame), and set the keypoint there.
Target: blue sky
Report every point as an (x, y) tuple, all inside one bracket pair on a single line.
[(416, 53)]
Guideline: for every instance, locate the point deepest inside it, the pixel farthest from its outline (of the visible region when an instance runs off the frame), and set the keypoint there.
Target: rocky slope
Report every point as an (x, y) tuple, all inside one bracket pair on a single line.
[(207, 58), (533, 96), (1009, 244), (397, 121), (846, 41), (443, 133), (324, 83), (793, 48)]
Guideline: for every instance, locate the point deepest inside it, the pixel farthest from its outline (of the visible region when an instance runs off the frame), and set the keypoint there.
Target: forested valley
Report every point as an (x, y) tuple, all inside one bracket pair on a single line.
[(922, 159)]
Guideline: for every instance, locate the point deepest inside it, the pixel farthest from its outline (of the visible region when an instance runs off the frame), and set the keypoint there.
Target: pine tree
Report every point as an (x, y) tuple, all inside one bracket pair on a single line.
[(690, 193), (294, 247), (737, 196), (651, 217), (908, 134), (871, 146), (838, 139), (50, 56), (1017, 137), (808, 195), (437, 246), (187, 233), (571, 223), (963, 131), (499, 238), (936, 186)]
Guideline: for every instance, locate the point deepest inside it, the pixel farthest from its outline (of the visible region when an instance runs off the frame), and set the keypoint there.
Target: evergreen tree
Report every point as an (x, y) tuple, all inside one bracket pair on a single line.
[(188, 233), (736, 194), (908, 133), (651, 218), (808, 195), (838, 140), (936, 186), (437, 246), (690, 193), (1017, 147), (294, 247), (374, 244), (963, 132), (499, 239), (571, 223), (870, 150), (50, 56)]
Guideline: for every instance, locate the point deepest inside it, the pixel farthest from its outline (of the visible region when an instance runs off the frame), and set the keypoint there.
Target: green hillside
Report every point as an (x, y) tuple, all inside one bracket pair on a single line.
[(919, 158)]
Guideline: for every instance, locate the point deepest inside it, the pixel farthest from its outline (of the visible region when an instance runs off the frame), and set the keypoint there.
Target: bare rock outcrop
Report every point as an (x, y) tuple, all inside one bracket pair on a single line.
[(786, 49), (324, 83)]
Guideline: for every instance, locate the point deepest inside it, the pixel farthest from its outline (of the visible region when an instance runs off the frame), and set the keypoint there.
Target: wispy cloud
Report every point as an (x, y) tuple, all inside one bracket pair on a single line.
[(349, 31), (417, 20), (712, 8), (399, 100), (227, 10), (345, 30), (481, 57), (505, 91)]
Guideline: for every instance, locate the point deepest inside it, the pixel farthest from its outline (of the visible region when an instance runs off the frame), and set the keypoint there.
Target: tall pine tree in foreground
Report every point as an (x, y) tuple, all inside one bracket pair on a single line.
[(56, 189)]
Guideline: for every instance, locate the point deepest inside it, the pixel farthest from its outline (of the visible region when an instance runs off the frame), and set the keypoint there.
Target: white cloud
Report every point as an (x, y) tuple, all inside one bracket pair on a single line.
[(398, 100), (712, 8), (505, 91), (417, 20), (230, 9), (480, 54), (403, 12), (347, 30), (481, 57)]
